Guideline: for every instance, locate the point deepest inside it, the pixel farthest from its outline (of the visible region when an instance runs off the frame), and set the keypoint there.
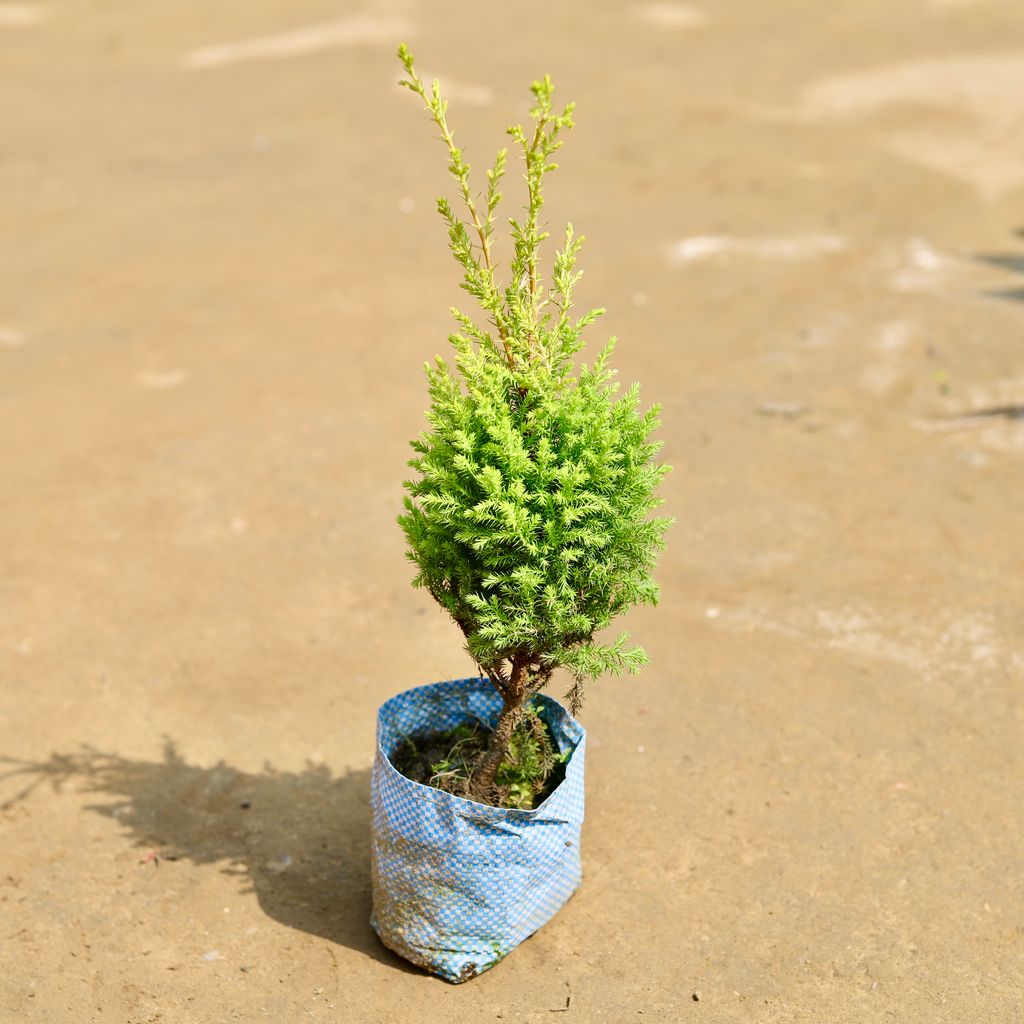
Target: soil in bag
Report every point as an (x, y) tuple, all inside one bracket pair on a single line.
[(533, 769)]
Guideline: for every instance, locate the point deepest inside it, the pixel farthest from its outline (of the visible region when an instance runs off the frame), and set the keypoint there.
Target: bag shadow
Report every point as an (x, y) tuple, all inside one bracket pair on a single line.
[(300, 841)]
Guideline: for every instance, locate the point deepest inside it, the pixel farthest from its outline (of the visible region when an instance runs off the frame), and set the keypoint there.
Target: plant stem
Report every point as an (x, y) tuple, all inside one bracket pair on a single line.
[(534, 209), (485, 242), (513, 708)]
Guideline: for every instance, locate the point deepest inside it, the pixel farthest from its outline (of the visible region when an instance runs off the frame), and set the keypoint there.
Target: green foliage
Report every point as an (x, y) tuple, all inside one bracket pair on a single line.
[(530, 760), (529, 517)]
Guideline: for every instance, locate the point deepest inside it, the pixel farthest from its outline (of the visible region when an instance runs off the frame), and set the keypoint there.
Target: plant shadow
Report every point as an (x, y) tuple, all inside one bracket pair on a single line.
[(298, 840)]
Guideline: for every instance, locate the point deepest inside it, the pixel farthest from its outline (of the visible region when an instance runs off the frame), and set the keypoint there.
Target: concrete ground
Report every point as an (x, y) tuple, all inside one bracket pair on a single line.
[(221, 274)]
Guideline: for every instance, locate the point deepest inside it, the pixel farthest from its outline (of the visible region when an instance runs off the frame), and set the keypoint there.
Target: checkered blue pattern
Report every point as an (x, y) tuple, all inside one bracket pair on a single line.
[(457, 885)]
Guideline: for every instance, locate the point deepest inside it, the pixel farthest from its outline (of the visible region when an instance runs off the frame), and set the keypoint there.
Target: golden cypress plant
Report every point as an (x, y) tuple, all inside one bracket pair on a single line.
[(529, 515)]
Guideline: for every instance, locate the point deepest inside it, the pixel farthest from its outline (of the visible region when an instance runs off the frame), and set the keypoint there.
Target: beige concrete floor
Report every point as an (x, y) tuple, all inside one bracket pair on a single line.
[(221, 274)]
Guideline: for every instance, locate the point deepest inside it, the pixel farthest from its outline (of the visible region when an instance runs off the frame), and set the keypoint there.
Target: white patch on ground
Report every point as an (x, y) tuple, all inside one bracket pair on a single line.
[(462, 92), (894, 337), (161, 380), (467, 92), (879, 379), (916, 266), (17, 15), (970, 420), (668, 15), (892, 340), (1004, 391), (999, 433), (793, 247), (771, 560), (983, 92), (951, 643), (10, 338), (785, 409), (974, 459), (357, 30)]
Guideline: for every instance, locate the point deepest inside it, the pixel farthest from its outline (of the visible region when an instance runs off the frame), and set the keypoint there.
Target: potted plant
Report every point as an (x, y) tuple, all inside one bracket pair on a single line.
[(529, 521)]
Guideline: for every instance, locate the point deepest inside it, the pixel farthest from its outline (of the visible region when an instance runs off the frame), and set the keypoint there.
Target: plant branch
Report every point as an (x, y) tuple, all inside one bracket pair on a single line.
[(459, 169)]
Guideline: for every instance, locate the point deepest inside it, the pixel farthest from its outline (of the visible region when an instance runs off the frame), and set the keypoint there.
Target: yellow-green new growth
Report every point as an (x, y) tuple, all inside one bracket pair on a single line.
[(516, 310), (529, 518)]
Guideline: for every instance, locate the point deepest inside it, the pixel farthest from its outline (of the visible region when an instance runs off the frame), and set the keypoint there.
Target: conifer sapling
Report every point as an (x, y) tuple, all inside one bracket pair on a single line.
[(528, 518)]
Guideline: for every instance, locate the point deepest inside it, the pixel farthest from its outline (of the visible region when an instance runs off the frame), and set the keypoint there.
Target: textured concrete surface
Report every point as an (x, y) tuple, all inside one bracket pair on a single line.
[(221, 274)]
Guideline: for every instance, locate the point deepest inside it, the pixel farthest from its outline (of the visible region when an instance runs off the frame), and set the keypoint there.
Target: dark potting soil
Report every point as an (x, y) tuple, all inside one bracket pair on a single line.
[(447, 761)]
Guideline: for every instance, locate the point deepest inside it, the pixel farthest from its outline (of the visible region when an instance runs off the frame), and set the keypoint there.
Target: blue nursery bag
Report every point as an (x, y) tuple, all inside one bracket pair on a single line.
[(457, 885)]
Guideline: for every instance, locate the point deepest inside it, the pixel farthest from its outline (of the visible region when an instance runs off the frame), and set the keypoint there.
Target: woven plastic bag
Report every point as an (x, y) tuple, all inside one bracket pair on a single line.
[(457, 885)]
